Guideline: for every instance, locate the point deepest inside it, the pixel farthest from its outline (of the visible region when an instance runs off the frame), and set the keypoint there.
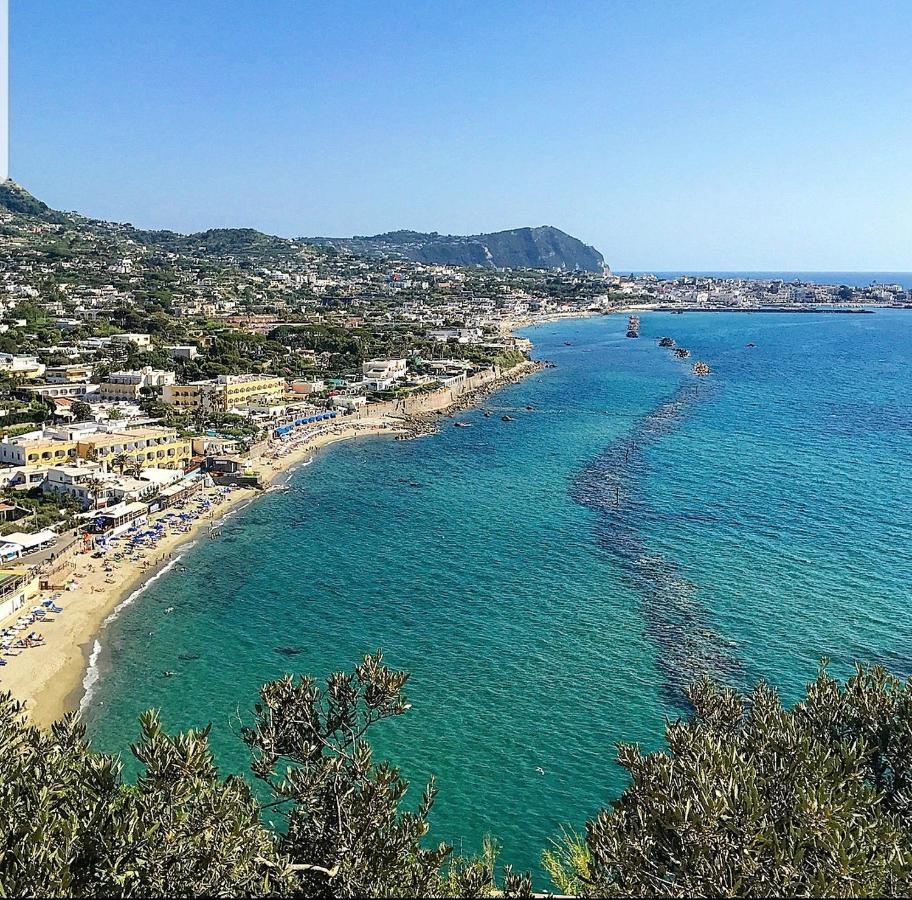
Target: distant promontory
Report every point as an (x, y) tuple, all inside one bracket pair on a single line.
[(536, 248)]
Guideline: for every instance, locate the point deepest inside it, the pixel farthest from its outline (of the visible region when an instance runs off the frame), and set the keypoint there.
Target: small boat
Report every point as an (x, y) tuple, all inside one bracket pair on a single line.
[(751, 345), (488, 414), (701, 369), (568, 343), (530, 408), (667, 342), (462, 424), (167, 674), (507, 419)]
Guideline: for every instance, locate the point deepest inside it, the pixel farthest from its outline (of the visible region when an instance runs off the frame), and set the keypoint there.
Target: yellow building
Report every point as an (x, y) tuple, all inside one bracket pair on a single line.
[(182, 396), (24, 452), (162, 448), (75, 373), (225, 392)]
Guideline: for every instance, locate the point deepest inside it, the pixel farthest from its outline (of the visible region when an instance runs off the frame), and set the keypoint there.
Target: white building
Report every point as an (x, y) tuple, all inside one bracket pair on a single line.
[(182, 351), (458, 335), (349, 403), (142, 341), (24, 366), (127, 386), (382, 374), (88, 484)]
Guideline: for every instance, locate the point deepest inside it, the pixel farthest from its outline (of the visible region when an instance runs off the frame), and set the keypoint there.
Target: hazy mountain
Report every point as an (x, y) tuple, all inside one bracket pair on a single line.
[(534, 248), (537, 248)]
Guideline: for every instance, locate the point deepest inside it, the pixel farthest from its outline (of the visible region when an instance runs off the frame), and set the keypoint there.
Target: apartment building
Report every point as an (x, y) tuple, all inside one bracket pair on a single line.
[(162, 448), (35, 451), (142, 341), (382, 374), (128, 386), (23, 366), (224, 393), (75, 373)]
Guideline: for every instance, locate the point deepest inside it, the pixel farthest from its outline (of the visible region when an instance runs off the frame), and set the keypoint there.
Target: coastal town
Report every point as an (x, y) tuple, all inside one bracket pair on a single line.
[(151, 381)]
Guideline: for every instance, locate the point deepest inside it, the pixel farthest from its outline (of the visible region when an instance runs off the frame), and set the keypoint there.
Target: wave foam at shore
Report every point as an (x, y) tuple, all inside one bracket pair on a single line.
[(93, 674)]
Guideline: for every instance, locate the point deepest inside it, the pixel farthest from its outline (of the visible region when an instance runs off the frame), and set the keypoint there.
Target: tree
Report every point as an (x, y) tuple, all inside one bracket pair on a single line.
[(756, 800), (81, 411), (95, 487), (70, 826)]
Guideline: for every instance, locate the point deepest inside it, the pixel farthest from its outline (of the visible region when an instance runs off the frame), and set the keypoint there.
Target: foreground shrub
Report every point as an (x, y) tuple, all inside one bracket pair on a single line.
[(752, 799), (72, 827)]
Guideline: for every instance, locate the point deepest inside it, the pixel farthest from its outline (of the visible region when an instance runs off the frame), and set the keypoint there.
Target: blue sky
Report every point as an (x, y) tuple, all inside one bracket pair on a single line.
[(714, 135)]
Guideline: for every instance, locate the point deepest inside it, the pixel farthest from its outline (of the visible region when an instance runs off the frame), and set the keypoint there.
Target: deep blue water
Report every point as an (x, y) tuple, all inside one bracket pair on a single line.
[(554, 581)]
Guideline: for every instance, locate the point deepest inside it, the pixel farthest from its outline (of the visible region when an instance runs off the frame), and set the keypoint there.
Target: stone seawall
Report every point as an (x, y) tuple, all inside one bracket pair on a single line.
[(447, 397)]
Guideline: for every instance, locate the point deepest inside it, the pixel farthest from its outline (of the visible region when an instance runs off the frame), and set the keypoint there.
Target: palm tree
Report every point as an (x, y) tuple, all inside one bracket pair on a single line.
[(95, 487)]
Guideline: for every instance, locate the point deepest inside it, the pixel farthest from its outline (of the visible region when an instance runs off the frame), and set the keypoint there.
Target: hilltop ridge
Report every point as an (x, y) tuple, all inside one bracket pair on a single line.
[(544, 247)]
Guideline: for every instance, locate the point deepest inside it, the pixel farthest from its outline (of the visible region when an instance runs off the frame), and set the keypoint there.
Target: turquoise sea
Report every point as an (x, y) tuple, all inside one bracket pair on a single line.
[(553, 582)]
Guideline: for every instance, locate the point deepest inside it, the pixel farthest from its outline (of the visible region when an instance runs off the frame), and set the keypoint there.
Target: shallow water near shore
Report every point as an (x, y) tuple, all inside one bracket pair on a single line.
[(554, 581)]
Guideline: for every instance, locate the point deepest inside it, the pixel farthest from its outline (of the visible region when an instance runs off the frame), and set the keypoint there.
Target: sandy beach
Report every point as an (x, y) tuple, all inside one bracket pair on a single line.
[(49, 677)]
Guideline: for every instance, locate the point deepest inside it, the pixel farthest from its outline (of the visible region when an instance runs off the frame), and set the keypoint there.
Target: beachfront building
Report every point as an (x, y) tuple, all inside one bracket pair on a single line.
[(348, 403), (21, 543), (35, 449), (87, 484), (306, 388), (382, 374), (17, 586), (161, 448), (93, 487), (116, 519), (128, 386), (215, 446), (224, 393)]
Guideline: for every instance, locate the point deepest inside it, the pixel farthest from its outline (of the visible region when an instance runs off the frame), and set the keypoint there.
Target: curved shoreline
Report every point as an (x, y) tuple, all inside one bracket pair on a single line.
[(55, 678)]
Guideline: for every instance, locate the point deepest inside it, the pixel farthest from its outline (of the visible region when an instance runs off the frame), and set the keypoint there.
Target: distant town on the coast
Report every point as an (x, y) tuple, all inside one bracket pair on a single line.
[(131, 359)]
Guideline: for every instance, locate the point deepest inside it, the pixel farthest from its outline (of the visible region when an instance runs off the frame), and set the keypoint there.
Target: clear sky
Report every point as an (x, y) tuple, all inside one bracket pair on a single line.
[(688, 134)]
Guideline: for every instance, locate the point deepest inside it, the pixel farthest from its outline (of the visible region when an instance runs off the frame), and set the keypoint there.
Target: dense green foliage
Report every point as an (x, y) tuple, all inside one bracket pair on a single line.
[(756, 800), (72, 827), (750, 799), (12, 197)]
